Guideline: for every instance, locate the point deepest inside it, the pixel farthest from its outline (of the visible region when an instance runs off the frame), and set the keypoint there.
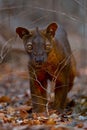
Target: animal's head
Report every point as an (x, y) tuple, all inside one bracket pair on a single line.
[(37, 42)]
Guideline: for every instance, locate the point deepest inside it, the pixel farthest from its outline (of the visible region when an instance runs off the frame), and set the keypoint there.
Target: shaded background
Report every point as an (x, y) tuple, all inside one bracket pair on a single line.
[(71, 14)]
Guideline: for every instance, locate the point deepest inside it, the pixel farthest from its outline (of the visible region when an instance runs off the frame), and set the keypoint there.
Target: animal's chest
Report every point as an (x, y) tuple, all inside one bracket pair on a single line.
[(54, 61)]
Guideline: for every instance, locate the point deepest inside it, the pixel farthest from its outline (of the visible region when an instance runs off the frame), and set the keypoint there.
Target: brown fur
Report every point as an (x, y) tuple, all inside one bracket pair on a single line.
[(59, 67)]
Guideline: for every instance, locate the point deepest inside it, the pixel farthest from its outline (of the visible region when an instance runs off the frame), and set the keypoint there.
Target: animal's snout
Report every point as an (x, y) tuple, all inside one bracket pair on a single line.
[(39, 60)]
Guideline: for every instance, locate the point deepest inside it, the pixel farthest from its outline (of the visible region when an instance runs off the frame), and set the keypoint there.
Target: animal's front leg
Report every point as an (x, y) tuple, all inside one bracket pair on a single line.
[(38, 94), (61, 89), (60, 98)]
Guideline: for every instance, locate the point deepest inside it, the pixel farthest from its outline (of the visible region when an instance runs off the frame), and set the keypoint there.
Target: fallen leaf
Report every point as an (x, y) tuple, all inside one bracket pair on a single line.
[(5, 99), (2, 115), (24, 107), (80, 125), (23, 114), (50, 121), (60, 128)]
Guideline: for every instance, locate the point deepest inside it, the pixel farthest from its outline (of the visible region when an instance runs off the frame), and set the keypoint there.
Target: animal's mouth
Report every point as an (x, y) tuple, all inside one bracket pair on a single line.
[(38, 65)]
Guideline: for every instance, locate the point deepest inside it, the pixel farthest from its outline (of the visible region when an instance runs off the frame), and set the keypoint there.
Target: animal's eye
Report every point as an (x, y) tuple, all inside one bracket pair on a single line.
[(48, 46), (29, 47)]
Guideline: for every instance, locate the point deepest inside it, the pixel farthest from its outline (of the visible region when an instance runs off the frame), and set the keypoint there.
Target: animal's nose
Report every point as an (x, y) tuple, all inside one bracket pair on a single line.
[(39, 59)]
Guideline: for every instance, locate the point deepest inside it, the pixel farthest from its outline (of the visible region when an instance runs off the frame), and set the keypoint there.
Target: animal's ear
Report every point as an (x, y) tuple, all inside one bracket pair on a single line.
[(51, 29), (22, 32)]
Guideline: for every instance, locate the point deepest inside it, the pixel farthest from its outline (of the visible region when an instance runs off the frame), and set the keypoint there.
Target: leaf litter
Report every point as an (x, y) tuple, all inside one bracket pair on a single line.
[(16, 109)]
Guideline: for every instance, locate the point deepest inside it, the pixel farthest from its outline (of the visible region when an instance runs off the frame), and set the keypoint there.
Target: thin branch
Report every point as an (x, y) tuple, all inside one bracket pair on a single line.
[(61, 86), (38, 83), (46, 105), (43, 9), (47, 108), (66, 60), (59, 12), (39, 97), (39, 103), (38, 19), (35, 79), (79, 3), (6, 48)]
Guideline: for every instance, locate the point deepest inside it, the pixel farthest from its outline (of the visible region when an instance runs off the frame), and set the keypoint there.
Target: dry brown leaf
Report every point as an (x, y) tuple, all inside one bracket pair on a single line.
[(24, 107), (23, 114), (50, 122), (2, 115), (34, 115), (5, 99), (10, 110), (6, 120), (80, 125), (24, 111), (60, 128), (36, 122)]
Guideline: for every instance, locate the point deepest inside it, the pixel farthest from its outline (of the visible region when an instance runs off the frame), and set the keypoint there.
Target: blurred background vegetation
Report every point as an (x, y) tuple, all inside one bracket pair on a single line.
[(71, 14)]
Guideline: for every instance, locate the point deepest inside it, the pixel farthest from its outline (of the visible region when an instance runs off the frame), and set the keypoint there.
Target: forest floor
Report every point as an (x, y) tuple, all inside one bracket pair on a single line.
[(15, 103)]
